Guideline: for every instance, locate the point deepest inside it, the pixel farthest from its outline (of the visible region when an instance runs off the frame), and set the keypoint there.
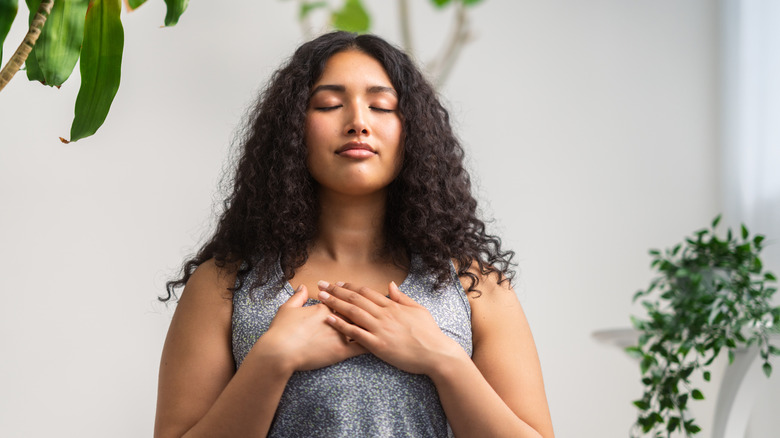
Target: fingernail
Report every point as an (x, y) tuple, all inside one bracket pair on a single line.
[(323, 284), (340, 283), (324, 296), (298, 289)]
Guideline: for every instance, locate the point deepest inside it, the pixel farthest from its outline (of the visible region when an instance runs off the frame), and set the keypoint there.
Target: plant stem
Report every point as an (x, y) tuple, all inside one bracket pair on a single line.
[(20, 56), (441, 67), (406, 31)]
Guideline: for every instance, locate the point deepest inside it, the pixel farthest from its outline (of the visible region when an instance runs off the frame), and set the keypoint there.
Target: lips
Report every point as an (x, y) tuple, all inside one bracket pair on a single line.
[(357, 146)]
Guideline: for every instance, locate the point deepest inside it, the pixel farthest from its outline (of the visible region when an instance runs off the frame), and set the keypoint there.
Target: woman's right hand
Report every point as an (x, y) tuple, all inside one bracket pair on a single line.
[(300, 339)]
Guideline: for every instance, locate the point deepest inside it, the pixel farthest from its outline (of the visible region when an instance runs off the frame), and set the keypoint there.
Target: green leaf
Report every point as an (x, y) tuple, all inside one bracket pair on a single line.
[(744, 232), (673, 423), (758, 239), (8, 10), (692, 428), (641, 404), (306, 8), (101, 65), (352, 17), (634, 351), (59, 44), (707, 376), (731, 357), (697, 395), (716, 221), (770, 277), (174, 11), (31, 64), (470, 2), (134, 4), (767, 369), (646, 363)]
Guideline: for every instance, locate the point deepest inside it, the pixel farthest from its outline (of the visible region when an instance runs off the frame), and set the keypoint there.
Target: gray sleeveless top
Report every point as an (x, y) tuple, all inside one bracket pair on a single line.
[(362, 396)]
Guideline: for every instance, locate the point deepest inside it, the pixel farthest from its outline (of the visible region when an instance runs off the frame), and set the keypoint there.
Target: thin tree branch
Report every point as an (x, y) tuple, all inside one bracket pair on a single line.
[(441, 67), (20, 56), (406, 31)]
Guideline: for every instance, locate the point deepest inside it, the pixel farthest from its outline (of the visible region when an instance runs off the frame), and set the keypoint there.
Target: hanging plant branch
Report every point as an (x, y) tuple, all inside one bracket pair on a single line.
[(28, 43), (711, 295)]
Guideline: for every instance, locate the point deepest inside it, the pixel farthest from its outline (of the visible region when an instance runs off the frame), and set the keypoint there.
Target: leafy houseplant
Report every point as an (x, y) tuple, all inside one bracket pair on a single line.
[(710, 294)]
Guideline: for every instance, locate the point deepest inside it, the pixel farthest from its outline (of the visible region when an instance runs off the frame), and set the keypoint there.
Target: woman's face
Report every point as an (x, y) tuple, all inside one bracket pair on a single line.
[(353, 130)]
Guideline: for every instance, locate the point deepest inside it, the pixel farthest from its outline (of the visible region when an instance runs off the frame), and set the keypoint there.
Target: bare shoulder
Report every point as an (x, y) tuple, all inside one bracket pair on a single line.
[(210, 282), (492, 290)]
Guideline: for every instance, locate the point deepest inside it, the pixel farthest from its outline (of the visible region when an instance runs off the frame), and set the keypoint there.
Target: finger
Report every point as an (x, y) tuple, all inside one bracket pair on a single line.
[(298, 298), (350, 331), (375, 297), (350, 304), (364, 297), (398, 296)]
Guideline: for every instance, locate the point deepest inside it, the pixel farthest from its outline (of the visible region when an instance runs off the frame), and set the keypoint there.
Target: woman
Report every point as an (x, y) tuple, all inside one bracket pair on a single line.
[(350, 173)]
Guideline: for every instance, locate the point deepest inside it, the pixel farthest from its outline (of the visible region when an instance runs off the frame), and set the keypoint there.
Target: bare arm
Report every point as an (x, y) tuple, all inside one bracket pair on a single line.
[(499, 391), (201, 394)]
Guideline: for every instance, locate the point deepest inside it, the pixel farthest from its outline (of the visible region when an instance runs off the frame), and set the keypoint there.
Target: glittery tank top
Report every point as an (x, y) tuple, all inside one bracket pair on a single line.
[(362, 396)]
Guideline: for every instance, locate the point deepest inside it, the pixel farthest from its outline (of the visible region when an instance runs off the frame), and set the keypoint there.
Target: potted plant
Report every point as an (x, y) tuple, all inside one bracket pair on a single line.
[(711, 294)]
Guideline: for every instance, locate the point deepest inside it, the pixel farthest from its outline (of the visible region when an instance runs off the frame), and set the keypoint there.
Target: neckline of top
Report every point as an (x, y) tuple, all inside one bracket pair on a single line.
[(414, 267)]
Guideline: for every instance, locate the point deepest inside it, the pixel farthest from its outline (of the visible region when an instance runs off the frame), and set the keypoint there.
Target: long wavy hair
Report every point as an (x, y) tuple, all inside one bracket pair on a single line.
[(271, 214)]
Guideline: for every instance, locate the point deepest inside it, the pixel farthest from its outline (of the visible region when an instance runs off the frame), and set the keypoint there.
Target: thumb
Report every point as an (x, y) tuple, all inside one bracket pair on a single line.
[(398, 296), (298, 298)]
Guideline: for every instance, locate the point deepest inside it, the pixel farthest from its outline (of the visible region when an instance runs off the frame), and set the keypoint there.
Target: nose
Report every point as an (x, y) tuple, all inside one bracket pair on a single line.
[(356, 122)]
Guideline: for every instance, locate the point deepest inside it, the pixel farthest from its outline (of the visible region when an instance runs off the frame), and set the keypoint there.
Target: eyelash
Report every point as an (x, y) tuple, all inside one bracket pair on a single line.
[(330, 108)]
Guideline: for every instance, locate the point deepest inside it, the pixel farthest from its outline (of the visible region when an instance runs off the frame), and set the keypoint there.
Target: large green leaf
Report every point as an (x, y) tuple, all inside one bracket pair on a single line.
[(352, 17), (100, 66), (34, 72), (134, 4), (8, 9), (59, 45), (174, 11)]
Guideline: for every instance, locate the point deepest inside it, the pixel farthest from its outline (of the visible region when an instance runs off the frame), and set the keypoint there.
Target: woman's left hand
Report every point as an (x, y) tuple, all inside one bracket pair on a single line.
[(396, 329)]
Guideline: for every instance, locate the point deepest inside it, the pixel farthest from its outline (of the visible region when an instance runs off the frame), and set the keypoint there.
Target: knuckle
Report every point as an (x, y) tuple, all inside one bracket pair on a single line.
[(352, 297)]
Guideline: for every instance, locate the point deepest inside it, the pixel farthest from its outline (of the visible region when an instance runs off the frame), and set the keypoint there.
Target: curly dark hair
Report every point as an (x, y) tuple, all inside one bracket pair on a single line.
[(271, 213)]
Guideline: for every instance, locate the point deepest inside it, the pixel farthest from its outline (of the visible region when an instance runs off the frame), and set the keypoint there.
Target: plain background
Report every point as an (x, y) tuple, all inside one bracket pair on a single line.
[(592, 135)]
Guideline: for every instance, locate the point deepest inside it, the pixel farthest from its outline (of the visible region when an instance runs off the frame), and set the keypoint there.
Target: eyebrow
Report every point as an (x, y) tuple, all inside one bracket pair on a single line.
[(342, 89)]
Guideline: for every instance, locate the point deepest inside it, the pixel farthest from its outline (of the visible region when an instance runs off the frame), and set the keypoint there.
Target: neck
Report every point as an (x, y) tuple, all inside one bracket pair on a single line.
[(351, 229)]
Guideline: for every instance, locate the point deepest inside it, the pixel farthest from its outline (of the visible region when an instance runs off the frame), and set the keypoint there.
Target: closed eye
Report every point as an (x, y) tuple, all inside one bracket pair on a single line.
[(382, 110), (327, 108)]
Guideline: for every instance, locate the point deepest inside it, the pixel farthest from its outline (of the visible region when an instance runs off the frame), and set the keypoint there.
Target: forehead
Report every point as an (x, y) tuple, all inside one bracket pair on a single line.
[(353, 68)]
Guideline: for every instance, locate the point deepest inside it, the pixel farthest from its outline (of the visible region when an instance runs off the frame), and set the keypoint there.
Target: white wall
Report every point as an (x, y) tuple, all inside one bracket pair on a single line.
[(591, 132)]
